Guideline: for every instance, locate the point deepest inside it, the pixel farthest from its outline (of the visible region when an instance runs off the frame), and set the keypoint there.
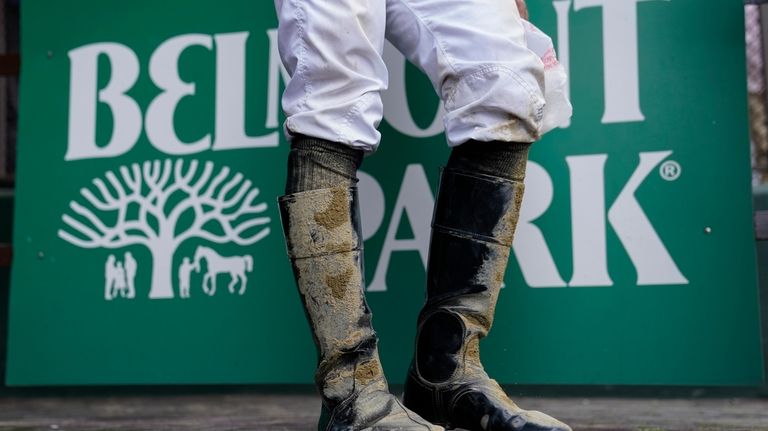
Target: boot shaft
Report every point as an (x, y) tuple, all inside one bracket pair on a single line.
[(322, 232), (472, 232)]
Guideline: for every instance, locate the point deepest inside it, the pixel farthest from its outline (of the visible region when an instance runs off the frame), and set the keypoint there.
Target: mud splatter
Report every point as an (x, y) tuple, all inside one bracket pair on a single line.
[(337, 211), (505, 230), (508, 129), (368, 371), (472, 354), (338, 283), (353, 339), (319, 223), (335, 300), (514, 130), (491, 272), (338, 383), (340, 247)]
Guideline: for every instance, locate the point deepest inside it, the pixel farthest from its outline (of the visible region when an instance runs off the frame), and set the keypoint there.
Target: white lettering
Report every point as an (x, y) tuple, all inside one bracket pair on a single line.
[(164, 71), (276, 71), (371, 204), (415, 200), (530, 247), (83, 96), (646, 250), (622, 83), (590, 255), (230, 96)]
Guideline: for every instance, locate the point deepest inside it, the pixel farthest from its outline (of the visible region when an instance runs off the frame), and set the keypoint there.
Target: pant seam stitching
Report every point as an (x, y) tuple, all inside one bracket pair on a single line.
[(301, 66), (450, 99), (345, 125)]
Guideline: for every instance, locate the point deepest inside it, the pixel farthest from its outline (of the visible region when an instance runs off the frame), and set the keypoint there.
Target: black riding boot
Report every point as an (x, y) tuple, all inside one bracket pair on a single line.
[(323, 236), (473, 228)]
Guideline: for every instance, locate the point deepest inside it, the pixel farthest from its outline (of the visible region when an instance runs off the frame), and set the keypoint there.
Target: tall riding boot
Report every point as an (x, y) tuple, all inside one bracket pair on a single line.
[(324, 241), (472, 232)]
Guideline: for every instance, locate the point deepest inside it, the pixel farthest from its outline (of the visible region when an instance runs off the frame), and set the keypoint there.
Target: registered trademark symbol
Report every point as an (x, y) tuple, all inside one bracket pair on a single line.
[(670, 170)]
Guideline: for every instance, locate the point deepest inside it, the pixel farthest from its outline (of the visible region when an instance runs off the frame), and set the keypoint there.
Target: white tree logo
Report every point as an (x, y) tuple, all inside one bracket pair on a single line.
[(144, 205)]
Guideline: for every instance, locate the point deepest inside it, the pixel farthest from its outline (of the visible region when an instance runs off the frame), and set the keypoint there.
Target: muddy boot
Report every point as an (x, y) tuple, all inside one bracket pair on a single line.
[(323, 236), (473, 227)]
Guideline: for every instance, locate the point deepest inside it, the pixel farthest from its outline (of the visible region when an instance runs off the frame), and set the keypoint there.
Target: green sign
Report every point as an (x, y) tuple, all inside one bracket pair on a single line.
[(148, 246)]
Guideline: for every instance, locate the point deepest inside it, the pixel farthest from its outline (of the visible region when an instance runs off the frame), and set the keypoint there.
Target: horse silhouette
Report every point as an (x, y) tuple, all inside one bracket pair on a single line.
[(235, 266)]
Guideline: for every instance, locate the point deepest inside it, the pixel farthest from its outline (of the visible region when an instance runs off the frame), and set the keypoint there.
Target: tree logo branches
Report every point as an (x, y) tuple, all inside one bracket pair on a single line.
[(159, 205)]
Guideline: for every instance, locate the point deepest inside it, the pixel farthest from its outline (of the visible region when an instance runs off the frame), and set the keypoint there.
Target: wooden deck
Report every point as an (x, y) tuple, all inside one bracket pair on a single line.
[(298, 412)]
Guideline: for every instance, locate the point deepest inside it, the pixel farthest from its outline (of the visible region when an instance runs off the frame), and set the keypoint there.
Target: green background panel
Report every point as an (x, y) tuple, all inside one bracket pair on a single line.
[(693, 96)]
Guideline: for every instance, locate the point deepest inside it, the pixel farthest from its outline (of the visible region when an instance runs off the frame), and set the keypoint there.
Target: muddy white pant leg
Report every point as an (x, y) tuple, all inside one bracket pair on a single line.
[(332, 51), (476, 56)]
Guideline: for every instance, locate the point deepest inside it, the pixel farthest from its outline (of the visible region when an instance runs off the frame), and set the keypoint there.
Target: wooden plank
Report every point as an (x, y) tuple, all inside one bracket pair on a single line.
[(6, 253), (299, 412)]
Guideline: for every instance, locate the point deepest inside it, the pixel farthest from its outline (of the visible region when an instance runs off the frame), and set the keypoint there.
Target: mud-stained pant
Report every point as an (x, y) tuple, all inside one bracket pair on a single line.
[(474, 53)]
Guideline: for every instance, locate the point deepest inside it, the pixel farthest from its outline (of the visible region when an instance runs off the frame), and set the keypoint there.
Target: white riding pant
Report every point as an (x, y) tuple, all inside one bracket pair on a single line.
[(473, 51)]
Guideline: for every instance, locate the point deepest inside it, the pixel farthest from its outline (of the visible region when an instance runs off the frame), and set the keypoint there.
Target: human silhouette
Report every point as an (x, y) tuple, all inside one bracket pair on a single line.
[(185, 270), (109, 277), (120, 285), (130, 274)]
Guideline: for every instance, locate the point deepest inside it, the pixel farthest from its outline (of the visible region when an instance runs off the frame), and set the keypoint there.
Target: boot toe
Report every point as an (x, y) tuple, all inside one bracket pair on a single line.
[(538, 421), (488, 410), (387, 413)]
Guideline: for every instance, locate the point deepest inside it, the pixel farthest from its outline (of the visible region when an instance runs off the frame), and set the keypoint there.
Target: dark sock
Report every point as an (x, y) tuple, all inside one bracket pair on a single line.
[(499, 159), (318, 164)]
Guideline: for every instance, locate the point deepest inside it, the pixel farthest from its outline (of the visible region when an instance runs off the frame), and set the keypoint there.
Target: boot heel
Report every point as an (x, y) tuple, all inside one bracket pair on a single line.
[(421, 399)]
